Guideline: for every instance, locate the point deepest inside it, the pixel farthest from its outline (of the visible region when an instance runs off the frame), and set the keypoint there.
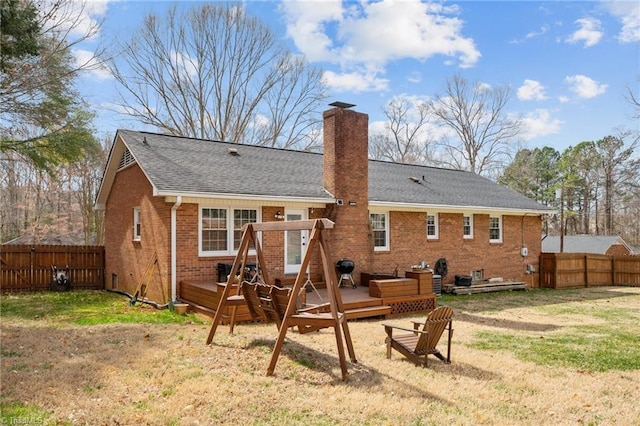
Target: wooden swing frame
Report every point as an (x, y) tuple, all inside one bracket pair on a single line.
[(304, 320)]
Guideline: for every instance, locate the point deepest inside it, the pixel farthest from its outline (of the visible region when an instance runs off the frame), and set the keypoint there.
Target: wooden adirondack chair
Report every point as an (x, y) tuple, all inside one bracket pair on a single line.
[(421, 341)]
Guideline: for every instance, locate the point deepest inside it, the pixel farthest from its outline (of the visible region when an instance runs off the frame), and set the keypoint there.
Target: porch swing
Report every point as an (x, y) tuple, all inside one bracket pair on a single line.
[(271, 303)]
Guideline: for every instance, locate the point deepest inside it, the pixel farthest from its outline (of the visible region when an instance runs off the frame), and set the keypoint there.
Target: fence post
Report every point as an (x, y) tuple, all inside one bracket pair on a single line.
[(586, 271), (31, 257)]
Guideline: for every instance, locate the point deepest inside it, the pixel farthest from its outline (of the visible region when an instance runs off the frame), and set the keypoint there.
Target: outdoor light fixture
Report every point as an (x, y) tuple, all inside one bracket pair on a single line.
[(279, 215)]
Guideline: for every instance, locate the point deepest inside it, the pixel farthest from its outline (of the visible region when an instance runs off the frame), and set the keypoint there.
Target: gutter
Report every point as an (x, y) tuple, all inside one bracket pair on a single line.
[(174, 284), (450, 208)]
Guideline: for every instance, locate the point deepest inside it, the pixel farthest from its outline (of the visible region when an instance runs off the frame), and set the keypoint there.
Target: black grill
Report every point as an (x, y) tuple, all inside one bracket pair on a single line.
[(345, 268)]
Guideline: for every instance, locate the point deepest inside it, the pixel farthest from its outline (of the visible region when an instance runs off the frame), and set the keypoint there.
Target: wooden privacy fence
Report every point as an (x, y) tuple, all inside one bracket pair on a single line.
[(575, 270), (28, 267)]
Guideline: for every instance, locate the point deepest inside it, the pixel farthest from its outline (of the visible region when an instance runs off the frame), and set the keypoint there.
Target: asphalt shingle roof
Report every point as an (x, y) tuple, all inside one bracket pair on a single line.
[(392, 182), (176, 164), (579, 243)]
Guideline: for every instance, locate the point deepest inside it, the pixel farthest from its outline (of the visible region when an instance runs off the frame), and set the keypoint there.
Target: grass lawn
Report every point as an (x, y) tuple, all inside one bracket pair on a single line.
[(518, 358)]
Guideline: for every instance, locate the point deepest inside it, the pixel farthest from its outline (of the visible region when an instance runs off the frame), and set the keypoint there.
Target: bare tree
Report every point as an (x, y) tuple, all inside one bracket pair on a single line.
[(405, 138), (634, 99), (214, 72), (618, 168), (82, 184), (482, 129)]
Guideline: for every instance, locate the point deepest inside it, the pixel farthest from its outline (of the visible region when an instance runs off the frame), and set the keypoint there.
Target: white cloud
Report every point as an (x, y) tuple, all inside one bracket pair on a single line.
[(584, 86), (354, 82), (377, 127), (543, 30), (73, 19), (415, 77), (308, 24), (590, 32), (368, 35), (186, 65), (629, 14), (539, 123), (482, 87), (531, 90), (87, 61)]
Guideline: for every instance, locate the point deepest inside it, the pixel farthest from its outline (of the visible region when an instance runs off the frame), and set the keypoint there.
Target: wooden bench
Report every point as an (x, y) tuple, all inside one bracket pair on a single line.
[(393, 287)]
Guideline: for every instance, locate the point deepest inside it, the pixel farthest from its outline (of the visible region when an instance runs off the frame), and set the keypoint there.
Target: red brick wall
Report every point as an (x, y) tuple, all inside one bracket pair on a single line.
[(409, 245), (618, 250), (346, 176), (129, 259), (192, 267)]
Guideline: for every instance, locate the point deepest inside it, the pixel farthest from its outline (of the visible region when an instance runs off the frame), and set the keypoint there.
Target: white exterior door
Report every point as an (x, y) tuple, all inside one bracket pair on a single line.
[(295, 245)]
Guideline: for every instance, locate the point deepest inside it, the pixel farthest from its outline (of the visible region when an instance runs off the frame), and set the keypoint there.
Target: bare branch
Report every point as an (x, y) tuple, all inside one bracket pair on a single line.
[(477, 116), (406, 138), (214, 72)]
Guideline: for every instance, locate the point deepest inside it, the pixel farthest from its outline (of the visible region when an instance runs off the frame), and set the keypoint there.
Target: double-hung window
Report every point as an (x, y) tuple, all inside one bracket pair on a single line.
[(380, 229), (221, 229), (240, 218), (495, 229), (137, 230), (432, 226), (467, 226)]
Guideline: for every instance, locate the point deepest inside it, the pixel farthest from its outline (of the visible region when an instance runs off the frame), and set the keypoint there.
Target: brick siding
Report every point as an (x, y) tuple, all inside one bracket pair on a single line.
[(346, 177), (129, 259)]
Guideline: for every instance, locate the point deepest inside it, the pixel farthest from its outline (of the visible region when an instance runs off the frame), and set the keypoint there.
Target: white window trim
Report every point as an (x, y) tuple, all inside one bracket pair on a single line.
[(386, 247), (470, 216), (136, 224), (436, 224), (230, 250), (498, 240)]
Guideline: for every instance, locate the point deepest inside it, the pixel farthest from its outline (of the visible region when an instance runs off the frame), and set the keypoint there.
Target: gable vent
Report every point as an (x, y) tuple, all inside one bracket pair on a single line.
[(126, 160)]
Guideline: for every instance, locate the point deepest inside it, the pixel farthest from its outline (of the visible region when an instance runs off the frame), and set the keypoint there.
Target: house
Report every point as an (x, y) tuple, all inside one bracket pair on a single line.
[(184, 201), (597, 244)]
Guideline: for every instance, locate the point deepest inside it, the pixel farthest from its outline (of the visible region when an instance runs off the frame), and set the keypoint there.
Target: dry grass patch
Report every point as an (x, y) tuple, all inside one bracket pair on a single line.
[(162, 373)]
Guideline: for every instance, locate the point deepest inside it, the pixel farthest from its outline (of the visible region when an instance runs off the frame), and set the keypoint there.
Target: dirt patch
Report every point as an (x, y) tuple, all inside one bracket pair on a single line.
[(165, 374)]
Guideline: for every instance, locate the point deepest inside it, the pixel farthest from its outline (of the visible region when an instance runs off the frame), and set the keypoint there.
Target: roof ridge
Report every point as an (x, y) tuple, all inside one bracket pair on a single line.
[(235, 144), (371, 160)]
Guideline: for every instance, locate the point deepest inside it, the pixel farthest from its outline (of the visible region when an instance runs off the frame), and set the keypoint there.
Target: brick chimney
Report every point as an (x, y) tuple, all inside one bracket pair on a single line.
[(346, 176)]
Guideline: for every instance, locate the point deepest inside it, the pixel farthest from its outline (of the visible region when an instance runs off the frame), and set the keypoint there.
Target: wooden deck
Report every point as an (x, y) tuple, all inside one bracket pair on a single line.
[(202, 296)]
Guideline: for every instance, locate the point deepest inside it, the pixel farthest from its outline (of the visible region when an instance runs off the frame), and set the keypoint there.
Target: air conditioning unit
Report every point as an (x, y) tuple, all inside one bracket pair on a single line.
[(476, 275)]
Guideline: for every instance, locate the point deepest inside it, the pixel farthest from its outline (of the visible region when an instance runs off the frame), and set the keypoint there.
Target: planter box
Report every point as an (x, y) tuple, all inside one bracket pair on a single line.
[(366, 277), (425, 280), (393, 287)]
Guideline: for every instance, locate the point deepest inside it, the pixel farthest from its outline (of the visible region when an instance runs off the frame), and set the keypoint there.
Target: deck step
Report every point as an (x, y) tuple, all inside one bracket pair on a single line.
[(369, 311)]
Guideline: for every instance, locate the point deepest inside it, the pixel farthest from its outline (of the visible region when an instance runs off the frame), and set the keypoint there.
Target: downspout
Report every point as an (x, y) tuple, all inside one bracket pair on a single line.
[(174, 285)]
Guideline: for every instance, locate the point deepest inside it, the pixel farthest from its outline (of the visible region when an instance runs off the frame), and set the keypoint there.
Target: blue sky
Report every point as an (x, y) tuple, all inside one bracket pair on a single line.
[(569, 63)]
